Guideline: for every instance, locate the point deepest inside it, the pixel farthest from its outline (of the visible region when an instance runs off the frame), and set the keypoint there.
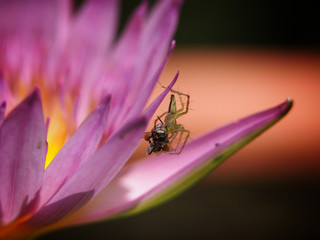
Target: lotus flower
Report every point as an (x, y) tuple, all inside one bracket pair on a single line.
[(66, 65)]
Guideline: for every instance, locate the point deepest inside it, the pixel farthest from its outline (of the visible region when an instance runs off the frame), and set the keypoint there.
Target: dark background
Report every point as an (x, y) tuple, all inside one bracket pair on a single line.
[(281, 24), (250, 23), (286, 209), (218, 211)]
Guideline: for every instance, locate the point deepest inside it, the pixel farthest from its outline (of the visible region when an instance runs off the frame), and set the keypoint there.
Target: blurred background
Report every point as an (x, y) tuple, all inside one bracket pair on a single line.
[(236, 58)]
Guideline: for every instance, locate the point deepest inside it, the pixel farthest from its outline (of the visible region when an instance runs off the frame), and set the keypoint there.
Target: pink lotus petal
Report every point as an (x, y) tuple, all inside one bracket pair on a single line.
[(164, 15), (123, 62), (92, 33), (125, 68), (147, 89), (126, 112), (22, 157), (159, 30), (129, 43), (94, 175), (95, 25), (75, 152), (154, 180), (27, 15), (25, 36), (55, 65)]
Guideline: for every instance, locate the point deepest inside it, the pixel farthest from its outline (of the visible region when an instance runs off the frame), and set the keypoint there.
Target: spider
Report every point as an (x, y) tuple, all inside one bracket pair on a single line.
[(165, 132)]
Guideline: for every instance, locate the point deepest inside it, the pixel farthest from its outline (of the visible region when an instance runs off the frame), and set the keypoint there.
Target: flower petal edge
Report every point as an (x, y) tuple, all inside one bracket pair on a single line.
[(205, 154)]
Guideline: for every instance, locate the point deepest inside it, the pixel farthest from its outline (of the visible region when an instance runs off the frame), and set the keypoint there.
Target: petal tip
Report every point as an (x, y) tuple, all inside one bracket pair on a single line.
[(176, 3), (288, 105), (33, 99), (106, 100), (142, 121), (3, 105), (143, 7), (174, 80), (35, 94), (173, 45), (284, 107)]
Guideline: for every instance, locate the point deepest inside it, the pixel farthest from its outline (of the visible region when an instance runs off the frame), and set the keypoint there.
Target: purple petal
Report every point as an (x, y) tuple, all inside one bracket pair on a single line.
[(94, 175), (92, 32), (59, 209), (154, 180), (129, 43), (96, 23), (147, 89), (159, 30), (75, 152), (23, 17), (22, 156), (139, 98), (55, 63), (143, 97), (157, 33), (122, 64), (26, 29), (126, 69), (164, 15)]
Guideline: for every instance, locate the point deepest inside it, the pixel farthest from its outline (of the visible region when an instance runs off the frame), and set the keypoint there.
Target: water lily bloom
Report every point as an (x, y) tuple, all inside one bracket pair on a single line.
[(72, 112)]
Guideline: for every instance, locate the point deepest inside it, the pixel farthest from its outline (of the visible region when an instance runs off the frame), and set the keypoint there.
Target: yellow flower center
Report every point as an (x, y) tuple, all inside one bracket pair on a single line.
[(61, 125)]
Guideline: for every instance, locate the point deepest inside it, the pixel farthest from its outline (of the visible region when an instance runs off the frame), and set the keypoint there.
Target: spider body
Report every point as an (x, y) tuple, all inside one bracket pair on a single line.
[(169, 136)]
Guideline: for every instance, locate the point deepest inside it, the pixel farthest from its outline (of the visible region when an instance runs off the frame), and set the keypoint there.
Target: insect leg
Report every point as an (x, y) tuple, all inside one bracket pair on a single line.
[(159, 119)]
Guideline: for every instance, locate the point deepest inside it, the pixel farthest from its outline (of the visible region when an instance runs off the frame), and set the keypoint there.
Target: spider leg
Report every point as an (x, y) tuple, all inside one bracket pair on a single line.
[(175, 129), (173, 150), (184, 109), (172, 135), (185, 140), (181, 132), (180, 111), (173, 112), (176, 135)]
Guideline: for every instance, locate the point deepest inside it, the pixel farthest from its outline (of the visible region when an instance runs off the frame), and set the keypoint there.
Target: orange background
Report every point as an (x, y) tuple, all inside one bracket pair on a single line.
[(226, 85)]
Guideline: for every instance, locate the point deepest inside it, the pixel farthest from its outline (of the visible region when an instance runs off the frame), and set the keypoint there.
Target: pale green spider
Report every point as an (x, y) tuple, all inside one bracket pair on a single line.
[(165, 132)]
